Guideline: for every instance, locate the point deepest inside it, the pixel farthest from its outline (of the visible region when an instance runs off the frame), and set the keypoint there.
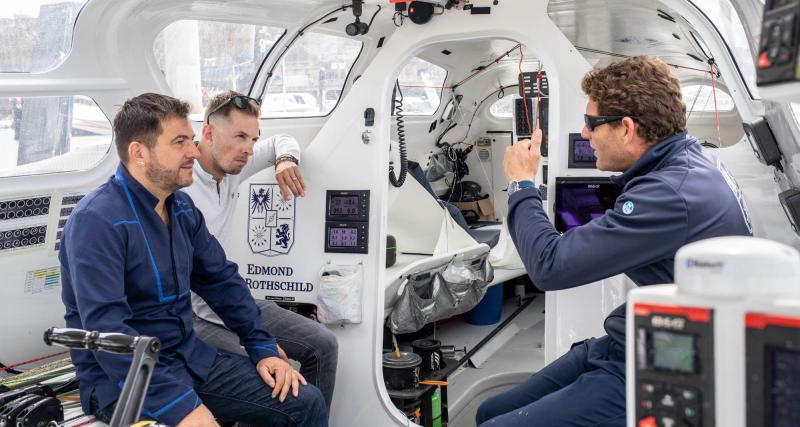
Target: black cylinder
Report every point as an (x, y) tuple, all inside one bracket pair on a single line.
[(400, 373), (430, 353)]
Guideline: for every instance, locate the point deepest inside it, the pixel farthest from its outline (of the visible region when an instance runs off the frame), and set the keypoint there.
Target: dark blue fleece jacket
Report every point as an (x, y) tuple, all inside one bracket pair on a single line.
[(673, 195)]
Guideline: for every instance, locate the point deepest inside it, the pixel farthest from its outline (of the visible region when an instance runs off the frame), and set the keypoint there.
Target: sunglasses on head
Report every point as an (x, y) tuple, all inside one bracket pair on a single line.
[(238, 101), (594, 121)]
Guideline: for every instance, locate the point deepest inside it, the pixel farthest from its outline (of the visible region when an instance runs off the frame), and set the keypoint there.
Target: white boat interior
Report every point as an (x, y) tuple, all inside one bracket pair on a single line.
[(66, 66)]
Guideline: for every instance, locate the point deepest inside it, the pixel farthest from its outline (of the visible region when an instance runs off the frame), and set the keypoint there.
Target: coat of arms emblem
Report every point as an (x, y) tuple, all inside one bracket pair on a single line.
[(270, 226)]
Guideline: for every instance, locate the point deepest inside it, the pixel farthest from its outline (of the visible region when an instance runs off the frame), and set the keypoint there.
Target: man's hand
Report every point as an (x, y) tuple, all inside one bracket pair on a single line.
[(290, 180), (199, 417), (282, 354), (280, 376), (522, 159)]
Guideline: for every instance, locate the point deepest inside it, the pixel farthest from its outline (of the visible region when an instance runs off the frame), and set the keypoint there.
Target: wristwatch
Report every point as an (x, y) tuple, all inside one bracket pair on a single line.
[(515, 186)]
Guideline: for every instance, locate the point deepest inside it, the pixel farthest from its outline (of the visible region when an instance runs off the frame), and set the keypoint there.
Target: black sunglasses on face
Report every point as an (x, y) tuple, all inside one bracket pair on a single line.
[(594, 121), (238, 101)]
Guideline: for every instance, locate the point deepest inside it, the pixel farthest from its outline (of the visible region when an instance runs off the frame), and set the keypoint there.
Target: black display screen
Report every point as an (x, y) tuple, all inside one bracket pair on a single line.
[(342, 237), (582, 200), (582, 152), (343, 206), (673, 352), (784, 390)]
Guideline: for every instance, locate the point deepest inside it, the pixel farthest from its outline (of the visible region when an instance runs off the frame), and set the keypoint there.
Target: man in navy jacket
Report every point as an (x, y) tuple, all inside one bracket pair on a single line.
[(131, 252), (672, 194)]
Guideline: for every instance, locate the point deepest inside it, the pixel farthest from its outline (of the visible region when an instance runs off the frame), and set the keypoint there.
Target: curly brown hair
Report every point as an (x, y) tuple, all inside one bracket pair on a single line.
[(643, 88)]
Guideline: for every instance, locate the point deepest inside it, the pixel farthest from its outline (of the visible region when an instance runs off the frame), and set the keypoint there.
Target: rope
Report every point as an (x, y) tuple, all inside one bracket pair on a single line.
[(11, 367)]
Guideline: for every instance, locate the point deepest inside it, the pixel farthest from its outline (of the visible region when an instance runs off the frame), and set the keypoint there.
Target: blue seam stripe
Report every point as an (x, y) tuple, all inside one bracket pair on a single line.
[(269, 347), (173, 403), (161, 297), (183, 211), (149, 414), (124, 222)]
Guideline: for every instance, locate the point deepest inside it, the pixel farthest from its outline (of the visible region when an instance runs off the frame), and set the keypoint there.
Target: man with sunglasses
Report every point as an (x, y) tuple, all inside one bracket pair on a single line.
[(672, 194), (230, 136)]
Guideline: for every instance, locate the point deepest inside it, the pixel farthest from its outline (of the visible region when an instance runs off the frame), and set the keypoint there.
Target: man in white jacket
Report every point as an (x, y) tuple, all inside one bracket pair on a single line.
[(230, 135)]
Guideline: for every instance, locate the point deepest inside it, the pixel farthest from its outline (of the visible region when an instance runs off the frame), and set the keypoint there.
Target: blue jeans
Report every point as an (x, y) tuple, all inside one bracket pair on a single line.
[(585, 387), (303, 340), (234, 391)]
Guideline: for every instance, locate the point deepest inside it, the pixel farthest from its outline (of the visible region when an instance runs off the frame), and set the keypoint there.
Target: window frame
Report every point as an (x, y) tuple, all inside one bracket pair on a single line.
[(100, 160), (441, 93), (496, 117), (280, 58), (67, 54)]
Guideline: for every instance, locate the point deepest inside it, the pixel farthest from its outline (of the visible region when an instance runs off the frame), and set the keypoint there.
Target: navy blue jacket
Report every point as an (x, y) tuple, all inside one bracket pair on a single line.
[(124, 270), (673, 195)]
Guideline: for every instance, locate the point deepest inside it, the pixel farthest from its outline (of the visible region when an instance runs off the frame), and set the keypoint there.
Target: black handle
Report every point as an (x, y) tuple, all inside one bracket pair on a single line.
[(80, 339)]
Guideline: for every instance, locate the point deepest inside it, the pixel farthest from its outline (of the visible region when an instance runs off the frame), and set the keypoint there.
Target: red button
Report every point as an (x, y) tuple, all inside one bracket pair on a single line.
[(648, 422), (763, 61)]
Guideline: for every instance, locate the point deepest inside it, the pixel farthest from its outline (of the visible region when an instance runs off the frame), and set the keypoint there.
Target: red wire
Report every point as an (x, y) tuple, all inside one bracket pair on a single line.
[(714, 92), (33, 360)]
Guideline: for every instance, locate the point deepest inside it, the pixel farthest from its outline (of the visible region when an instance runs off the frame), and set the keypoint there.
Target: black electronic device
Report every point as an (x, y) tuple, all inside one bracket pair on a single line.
[(523, 119), (346, 237), (790, 200), (772, 363), (357, 28), (347, 221), (674, 363), (523, 124), (762, 141), (581, 154), (420, 12), (347, 205), (533, 84), (777, 60), (369, 117), (582, 199), (544, 112)]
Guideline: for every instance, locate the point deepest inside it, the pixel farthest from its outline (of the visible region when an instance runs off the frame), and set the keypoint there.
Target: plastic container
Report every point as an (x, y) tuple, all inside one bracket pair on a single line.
[(490, 309)]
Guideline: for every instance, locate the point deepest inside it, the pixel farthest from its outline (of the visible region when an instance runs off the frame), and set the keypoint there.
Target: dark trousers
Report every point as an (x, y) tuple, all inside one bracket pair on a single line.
[(304, 340), (234, 391), (585, 387)]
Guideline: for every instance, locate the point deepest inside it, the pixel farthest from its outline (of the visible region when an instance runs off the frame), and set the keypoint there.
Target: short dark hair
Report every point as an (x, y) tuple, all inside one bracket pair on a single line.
[(140, 119), (642, 87), (221, 101)]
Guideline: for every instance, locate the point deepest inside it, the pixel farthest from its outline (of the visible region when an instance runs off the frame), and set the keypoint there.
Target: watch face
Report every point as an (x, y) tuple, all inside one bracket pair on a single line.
[(512, 187)]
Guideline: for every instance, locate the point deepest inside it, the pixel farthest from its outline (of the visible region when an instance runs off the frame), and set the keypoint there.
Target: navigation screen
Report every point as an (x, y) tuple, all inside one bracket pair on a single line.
[(579, 201), (343, 237), (673, 352), (784, 390), (344, 206), (582, 152)]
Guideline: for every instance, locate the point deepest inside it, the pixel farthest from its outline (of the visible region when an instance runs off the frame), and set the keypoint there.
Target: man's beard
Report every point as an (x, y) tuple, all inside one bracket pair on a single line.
[(166, 179)]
